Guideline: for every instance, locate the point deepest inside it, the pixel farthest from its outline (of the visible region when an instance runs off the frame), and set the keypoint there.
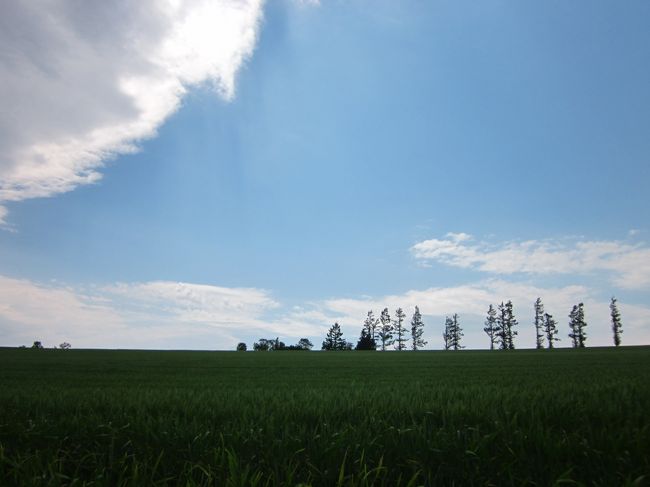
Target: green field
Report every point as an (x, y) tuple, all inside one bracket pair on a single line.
[(82, 417)]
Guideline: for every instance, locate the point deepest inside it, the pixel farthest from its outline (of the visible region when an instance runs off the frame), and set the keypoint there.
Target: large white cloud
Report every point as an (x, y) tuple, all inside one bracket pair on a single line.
[(627, 264), (84, 81)]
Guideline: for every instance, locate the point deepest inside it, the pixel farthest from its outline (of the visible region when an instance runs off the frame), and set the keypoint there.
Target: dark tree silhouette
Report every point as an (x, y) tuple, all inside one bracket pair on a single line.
[(446, 335), (577, 325), (456, 333), (417, 330), (505, 323), (275, 344), (241, 347), (573, 333), (550, 328), (500, 329), (366, 342), (400, 331), (370, 325), (512, 322), (334, 339), (582, 334), (616, 321), (37, 345), (491, 326), (386, 330), (263, 345), (539, 324), (453, 333), (65, 346)]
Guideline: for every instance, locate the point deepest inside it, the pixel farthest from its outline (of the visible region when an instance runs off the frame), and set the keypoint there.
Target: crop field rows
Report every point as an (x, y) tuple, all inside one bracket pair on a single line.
[(525, 417)]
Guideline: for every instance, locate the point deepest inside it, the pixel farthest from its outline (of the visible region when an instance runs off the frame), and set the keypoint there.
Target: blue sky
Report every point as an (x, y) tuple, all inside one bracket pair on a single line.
[(195, 174)]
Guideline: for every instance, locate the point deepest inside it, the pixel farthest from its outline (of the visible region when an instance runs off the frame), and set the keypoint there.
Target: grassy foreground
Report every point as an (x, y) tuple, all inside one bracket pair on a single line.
[(82, 417)]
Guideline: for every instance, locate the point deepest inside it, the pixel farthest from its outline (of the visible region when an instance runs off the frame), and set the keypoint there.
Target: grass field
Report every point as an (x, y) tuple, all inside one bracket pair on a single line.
[(82, 417)]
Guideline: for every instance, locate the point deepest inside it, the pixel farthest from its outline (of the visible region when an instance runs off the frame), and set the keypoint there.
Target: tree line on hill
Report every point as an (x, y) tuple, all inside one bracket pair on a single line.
[(38, 345), (500, 326), (273, 344), (381, 333)]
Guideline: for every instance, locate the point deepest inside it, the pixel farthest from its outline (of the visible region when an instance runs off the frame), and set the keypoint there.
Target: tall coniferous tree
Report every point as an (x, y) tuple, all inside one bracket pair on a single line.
[(334, 339), (616, 321), (370, 325), (400, 331), (550, 328), (512, 322), (417, 330), (505, 323), (491, 326), (582, 333), (573, 325), (577, 324), (446, 335), (385, 330), (456, 333), (501, 331), (539, 324)]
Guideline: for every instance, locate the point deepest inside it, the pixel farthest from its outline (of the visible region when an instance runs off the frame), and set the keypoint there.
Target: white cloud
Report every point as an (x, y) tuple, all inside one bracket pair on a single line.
[(193, 303), (82, 82), (34, 311), (627, 264), (148, 315)]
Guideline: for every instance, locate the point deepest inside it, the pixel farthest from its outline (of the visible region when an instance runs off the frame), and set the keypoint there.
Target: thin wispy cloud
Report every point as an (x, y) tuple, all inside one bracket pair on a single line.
[(193, 303), (129, 315), (310, 3), (83, 82), (627, 264), (54, 311)]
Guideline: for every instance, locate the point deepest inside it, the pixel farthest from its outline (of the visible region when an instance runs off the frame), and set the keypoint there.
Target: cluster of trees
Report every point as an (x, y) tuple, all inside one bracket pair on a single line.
[(273, 344), (546, 326), (37, 345), (577, 324), (500, 326), (381, 333), (453, 333)]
